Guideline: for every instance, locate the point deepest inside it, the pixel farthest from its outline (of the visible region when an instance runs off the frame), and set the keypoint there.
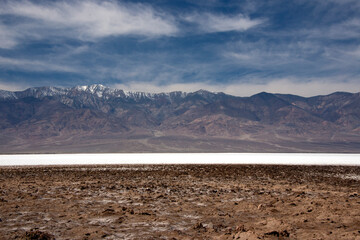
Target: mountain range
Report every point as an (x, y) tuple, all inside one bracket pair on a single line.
[(98, 119)]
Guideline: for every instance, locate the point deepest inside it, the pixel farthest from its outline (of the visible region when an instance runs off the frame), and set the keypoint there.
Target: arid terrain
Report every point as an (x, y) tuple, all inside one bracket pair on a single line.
[(98, 119), (180, 202)]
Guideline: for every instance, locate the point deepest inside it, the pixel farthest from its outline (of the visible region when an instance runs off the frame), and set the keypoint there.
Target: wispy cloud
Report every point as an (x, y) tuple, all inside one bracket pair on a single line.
[(294, 55), (33, 65), (7, 37), (344, 30), (264, 56), (304, 47), (86, 20), (222, 23)]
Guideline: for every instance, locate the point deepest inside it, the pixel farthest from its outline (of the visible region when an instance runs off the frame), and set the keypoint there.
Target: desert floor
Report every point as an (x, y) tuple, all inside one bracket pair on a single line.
[(180, 202)]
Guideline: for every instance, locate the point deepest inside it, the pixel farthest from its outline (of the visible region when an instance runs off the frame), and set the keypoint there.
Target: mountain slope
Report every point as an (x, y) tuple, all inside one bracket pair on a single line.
[(85, 117)]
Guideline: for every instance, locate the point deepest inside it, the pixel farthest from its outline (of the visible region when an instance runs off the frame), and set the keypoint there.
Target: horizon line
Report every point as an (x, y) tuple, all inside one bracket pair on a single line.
[(165, 92)]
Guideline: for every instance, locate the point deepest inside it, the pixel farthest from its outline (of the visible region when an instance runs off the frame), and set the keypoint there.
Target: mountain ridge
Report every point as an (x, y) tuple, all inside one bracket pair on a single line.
[(99, 89), (74, 119)]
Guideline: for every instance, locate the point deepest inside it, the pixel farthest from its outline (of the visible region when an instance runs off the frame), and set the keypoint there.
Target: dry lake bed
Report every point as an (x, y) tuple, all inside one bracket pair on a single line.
[(180, 202)]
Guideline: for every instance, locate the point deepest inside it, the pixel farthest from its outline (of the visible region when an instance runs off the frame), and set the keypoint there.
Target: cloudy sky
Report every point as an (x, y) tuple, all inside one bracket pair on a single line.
[(304, 47)]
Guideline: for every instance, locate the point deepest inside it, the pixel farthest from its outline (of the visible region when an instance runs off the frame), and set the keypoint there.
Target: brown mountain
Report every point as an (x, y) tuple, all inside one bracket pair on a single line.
[(100, 119)]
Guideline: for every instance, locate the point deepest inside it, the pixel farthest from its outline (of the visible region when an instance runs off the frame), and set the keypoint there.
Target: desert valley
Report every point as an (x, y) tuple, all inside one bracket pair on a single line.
[(180, 202)]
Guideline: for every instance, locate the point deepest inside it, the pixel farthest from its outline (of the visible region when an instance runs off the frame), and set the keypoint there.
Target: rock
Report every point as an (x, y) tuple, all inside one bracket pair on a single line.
[(200, 227), (219, 227), (228, 231), (249, 235), (145, 213), (284, 233), (240, 228), (273, 233), (38, 235), (108, 211), (120, 219)]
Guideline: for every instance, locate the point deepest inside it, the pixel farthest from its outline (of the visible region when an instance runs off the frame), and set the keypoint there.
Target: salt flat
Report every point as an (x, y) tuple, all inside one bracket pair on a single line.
[(181, 158), (176, 201)]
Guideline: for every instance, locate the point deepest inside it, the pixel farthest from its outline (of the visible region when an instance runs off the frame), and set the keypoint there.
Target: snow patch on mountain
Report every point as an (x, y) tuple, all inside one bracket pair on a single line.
[(7, 95), (97, 90)]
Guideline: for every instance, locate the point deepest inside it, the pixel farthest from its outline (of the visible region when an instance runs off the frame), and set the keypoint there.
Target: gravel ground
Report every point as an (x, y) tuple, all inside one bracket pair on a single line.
[(180, 202)]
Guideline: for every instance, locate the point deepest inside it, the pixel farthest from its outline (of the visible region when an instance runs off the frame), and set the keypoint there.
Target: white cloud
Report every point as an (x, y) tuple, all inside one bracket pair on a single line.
[(7, 37), (345, 30), (264, 56), (301, 57), (13, 86), (33, 65), (286, 86), (89, 19), (355, 53), (222, 23)]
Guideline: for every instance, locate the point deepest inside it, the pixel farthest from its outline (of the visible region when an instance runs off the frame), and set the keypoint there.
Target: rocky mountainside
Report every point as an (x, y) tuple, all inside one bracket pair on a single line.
[(100, 119)]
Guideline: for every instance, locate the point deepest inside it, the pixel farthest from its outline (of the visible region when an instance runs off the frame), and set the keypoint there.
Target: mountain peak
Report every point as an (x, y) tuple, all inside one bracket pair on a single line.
[(97, 89), (204, 93), (263, 94), (91, 88)]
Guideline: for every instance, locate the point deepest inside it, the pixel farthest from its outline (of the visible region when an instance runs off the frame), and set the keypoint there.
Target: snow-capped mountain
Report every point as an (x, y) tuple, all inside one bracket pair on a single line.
[(96, 89), (173, 121)]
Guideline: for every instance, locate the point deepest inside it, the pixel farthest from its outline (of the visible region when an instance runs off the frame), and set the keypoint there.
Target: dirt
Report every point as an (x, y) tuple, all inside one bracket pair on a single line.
[(180, 202)]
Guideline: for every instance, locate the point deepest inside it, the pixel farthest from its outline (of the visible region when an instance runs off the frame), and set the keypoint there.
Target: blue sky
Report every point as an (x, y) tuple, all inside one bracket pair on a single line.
[(304, 47)]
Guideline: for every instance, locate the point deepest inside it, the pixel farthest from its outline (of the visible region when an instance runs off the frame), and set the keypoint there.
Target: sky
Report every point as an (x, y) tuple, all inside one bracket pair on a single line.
[(303, 47)]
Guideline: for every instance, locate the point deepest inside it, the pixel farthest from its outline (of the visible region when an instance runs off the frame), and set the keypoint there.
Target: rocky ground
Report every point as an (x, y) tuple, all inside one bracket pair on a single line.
[(180, 202)]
